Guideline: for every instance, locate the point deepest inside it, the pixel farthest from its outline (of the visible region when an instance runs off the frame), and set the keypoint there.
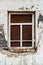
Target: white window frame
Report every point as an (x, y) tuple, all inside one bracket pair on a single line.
[(21, 30)]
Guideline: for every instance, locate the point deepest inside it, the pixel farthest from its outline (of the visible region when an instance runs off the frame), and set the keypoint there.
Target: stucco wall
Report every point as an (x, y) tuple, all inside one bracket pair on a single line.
[(16, 5)]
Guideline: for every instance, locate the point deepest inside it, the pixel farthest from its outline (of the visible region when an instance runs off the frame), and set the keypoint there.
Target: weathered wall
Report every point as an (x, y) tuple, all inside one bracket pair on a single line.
[(15, 5)]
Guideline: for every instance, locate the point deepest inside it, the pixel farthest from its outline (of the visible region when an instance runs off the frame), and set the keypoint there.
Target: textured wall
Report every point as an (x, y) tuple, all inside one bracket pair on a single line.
[(24, 59)]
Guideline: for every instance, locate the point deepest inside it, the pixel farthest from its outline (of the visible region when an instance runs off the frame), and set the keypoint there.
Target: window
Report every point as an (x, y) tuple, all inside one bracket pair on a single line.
[(21, 29)]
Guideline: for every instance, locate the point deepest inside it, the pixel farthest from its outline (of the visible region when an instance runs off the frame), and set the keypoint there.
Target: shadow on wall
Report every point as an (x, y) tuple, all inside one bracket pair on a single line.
[(40, 19)]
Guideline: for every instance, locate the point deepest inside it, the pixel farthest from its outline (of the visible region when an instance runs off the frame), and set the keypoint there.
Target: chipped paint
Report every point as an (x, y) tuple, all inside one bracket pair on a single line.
[(40, 18)]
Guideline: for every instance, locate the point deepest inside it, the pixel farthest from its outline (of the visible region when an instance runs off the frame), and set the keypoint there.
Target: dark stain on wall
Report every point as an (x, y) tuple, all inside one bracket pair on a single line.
[(40, 18)]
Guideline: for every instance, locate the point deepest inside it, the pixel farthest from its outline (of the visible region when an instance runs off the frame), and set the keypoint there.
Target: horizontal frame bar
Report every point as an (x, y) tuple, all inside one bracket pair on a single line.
[(21, 23)]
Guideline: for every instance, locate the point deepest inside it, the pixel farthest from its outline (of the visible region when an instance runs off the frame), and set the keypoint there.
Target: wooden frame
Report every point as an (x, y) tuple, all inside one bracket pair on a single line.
[(34, 18)]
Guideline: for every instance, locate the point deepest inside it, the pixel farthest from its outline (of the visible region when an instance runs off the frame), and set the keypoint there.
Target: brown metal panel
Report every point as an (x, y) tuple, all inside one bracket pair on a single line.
[(27, 32), (15, 32), (15, 44), (21, 18), (26, 44)]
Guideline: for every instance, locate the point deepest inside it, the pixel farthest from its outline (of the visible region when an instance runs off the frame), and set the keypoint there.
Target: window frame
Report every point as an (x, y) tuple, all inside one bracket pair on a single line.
[(34, 24)]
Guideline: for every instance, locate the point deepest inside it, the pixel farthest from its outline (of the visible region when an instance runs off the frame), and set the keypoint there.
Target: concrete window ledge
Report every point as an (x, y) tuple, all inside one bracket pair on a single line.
[(15, 50)]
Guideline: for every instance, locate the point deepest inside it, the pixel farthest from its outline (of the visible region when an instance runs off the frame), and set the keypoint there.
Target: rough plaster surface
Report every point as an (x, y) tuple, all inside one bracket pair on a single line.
[(26, 59)]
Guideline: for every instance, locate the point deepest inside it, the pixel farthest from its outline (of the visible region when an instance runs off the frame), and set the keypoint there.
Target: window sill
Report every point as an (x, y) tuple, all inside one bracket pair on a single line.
[(32, 50)]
